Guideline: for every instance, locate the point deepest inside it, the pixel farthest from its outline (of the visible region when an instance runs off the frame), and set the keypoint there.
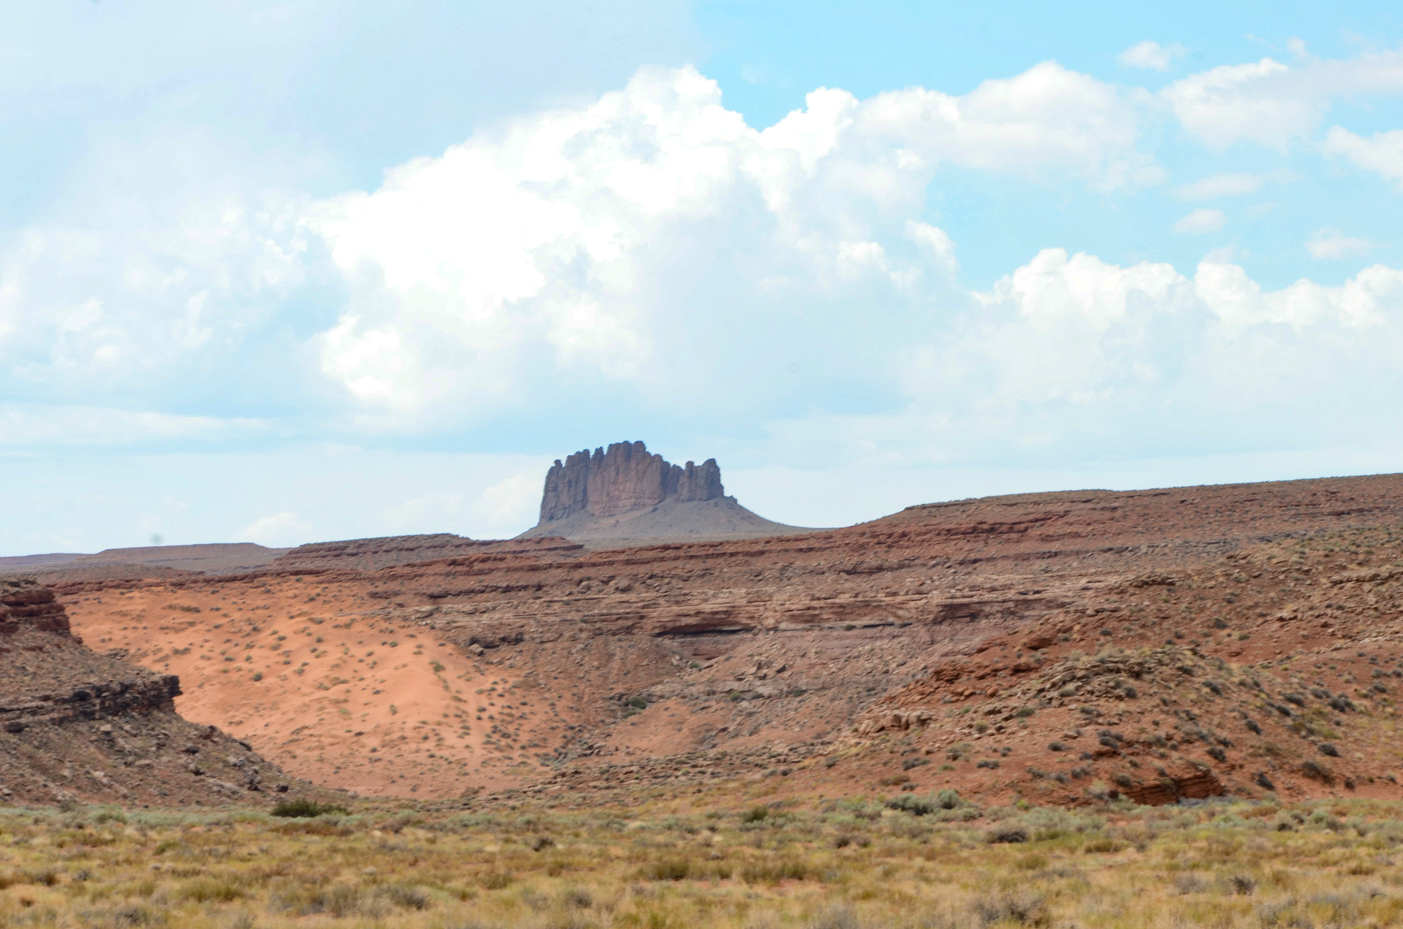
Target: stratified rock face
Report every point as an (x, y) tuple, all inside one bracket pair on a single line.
[(23, 602), (621, 479)]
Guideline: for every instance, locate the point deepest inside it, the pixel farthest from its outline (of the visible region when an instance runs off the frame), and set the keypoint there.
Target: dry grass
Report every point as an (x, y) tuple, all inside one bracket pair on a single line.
[(830, 865)]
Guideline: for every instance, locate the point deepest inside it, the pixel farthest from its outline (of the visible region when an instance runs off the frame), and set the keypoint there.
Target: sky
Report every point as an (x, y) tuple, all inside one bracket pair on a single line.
[(288, 272)]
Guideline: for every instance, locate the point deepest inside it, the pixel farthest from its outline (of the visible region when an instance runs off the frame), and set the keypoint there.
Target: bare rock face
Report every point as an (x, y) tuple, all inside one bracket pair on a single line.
[(624, 478), (24, 602)]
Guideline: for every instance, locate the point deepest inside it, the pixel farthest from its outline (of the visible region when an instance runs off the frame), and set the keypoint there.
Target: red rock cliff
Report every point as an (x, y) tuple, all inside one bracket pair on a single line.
[(23, 602), (623, 478)]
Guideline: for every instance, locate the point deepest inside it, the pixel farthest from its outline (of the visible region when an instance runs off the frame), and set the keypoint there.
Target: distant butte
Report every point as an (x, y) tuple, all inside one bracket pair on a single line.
[(623, 495)]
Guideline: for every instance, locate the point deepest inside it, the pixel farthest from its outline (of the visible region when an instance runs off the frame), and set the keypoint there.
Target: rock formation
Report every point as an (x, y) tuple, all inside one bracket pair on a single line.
[(1137, 632), (372, 554), (625, 496), (621, 479), (79, 726)]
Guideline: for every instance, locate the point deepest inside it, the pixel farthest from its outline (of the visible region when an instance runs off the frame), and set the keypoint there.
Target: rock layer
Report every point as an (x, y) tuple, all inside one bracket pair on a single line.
[(372, 554), (948, 645), (623, 478), (79, 726)]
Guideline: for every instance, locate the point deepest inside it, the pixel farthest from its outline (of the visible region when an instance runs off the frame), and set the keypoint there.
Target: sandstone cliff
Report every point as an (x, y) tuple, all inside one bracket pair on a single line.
[(372, 554), (625, 496), (623, 478)]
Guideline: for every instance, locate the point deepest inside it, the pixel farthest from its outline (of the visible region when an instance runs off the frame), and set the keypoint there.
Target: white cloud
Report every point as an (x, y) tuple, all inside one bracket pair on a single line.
[(1333, 245), (1359, 303), (1258, 102), (553, 244), (1074, 358), (1152, 55), (280, 530), (648, 252), (1273, 104), (122, 290), (1381, 153), (1216, 186), (1200, 221)]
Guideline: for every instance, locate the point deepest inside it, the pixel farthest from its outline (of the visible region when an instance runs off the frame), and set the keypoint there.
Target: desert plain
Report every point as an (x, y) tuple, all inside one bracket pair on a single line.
[(1093, 708)]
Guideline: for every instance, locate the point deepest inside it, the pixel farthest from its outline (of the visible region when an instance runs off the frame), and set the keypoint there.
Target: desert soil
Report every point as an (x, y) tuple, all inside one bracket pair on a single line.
[(562, 671)]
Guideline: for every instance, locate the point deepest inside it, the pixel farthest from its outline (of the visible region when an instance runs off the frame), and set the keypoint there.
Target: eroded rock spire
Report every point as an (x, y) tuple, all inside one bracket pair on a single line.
[(622, 478)]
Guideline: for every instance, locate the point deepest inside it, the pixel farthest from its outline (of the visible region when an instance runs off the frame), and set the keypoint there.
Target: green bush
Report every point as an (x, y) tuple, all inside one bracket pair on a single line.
[(302, 808), (755, 814)]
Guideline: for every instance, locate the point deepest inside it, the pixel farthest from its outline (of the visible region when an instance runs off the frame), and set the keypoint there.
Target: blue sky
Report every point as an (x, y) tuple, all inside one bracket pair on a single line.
[(288, 272)]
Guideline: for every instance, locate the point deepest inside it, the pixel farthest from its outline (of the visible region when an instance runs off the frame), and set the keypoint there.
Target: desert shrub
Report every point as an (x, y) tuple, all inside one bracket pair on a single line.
[(773, 871), (406, 897), (1240, 884), (756, 814), (209, 889), (123, 917), (1006, 835), (683, 869), (668, 869), (910, 803), (345, 900), (576, 899), (924, 806), (496, 880), (339, 900), (302, 808), (1316, 771), (1190, 884), (1021, 908)]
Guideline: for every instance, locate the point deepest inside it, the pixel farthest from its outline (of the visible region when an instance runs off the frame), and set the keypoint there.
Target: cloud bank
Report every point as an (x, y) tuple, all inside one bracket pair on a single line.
[(648, 251)]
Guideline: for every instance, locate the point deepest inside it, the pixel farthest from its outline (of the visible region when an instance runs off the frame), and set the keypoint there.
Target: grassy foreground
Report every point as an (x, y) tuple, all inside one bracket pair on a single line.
[(828, 865)]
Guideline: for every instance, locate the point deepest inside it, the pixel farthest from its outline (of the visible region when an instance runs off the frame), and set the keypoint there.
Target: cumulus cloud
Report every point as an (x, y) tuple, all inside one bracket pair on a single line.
[(1381, 153), (650, 253), (560, 236), (1152, 55), (1273, 104), (1260, 102), (1071, 353), (1333, 245), (1200, 221)]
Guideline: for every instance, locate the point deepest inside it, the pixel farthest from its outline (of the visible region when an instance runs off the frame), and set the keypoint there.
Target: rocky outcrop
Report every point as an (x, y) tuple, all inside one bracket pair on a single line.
[(623, 478), (83, 727), (24, 602)]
